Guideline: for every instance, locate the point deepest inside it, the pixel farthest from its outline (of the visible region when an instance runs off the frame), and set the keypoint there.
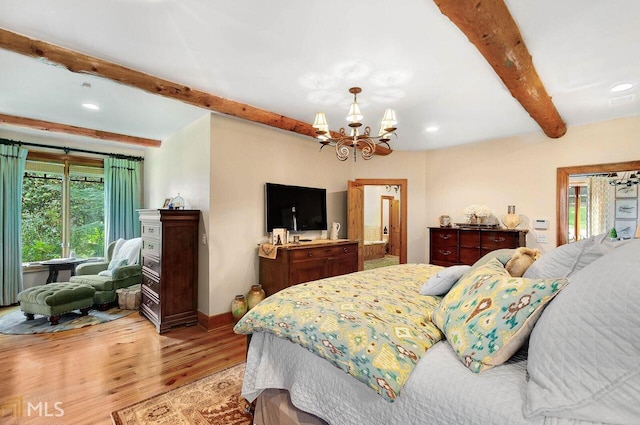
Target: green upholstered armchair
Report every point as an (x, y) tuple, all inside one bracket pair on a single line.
[(121, 269)]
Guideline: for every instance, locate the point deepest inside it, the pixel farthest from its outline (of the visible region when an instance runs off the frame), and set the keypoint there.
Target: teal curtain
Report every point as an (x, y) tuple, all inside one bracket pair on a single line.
[(121, 198), (12, 162)]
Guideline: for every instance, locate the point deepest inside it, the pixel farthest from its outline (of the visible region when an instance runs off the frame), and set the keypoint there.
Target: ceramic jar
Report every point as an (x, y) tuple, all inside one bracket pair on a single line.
[(238, 307), (254, 296), (511, 219)]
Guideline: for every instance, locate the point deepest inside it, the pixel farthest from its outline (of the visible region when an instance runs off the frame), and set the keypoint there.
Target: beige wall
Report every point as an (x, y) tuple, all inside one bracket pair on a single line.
[(182, 166), (521, 171), (244, 156)]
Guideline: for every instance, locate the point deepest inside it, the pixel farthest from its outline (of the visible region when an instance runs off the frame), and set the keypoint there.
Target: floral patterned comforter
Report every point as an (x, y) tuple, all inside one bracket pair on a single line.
[(373, 324)]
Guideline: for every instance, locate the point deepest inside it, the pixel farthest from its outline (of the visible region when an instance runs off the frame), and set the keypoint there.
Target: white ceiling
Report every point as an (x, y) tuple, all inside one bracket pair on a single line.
[(296, 58)]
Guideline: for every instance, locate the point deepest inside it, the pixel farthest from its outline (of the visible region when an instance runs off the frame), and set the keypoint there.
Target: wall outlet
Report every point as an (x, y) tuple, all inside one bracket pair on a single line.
[(541, 238), (204, 239)]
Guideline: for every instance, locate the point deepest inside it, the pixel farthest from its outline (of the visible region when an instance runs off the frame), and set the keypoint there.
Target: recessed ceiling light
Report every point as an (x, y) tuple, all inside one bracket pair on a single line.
[(432, 129), (621, 87), (91, 106)]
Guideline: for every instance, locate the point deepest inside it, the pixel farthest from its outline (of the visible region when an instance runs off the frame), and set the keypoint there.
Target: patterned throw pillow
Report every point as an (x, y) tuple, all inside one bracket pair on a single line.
[(488, 315)]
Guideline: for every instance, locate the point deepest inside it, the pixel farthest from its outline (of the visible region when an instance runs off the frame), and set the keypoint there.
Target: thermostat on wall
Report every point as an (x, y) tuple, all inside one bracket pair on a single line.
[(541, 224)]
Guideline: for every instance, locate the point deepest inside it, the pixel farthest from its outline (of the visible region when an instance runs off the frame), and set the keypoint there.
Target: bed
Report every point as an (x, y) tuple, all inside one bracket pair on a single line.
[(582, 372)]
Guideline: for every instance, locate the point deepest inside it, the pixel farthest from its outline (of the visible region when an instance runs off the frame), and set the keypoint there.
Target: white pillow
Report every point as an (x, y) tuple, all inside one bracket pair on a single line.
[(585, 348), (566, 260), (441, 282), (129, 250)]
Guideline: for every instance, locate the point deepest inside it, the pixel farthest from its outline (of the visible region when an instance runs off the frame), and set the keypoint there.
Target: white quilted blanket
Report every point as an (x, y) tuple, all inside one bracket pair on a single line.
[(441, 391)]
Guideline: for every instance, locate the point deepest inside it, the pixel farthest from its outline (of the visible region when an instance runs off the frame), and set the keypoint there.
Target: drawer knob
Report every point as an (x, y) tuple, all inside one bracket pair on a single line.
[(445, 236), (443, 252), (346, 250), (150, 246), (150, 230), (496, 239), (309, 254)]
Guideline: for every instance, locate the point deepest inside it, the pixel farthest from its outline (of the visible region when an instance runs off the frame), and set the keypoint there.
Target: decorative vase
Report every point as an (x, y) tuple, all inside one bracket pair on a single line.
[(238, 307), (511, 219), (255, 295)]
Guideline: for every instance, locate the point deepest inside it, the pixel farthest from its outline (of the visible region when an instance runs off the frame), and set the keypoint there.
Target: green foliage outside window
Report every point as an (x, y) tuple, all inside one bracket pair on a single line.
[(87, 218), (41, 218), (42, 222)]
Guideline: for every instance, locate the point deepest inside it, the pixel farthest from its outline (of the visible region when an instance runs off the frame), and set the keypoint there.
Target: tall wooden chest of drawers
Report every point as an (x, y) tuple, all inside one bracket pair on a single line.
[(296, 264), (169, 267), (449, 246)]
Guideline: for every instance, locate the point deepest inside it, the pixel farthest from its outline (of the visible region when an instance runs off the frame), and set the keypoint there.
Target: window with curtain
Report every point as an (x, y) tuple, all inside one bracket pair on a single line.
[(62, 210), (589, 206)]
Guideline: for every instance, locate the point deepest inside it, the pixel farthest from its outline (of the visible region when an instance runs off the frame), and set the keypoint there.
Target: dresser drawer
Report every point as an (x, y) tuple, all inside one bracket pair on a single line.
[(496, 240), (470, 239), (150, 230), (152, 264), (323, 252), (151, 283), (150, 247), (444, 237), (150, 305), (445, 254)]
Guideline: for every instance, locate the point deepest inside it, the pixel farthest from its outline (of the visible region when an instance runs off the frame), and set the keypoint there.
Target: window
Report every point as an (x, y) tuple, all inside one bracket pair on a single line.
[(578, 204), (62, 210)]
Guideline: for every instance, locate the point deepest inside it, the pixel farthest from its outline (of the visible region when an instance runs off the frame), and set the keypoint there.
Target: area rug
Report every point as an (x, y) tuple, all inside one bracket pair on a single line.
[(387, 260), (212, 400), (15, 323)]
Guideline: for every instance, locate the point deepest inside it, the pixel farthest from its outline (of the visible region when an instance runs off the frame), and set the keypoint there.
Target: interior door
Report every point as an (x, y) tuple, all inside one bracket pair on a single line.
[(355, 217), (394, 227)]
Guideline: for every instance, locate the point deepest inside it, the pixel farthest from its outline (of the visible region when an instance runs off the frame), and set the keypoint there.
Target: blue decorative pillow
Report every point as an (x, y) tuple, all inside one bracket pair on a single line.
[(441, 282)]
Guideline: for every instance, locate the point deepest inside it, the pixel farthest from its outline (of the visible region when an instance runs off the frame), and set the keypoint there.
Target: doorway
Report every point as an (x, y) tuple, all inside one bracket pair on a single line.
[(377, 216)]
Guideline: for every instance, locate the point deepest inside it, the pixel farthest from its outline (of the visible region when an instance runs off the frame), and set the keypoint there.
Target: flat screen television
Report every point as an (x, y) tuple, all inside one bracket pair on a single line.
[(295, 208)]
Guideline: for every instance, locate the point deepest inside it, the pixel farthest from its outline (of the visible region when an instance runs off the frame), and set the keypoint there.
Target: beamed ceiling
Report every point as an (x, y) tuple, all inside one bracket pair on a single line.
[(456, 72)]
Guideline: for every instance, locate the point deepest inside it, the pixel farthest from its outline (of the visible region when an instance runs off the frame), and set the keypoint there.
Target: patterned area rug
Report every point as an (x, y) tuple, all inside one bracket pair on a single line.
[(15, 323), (212, 400)]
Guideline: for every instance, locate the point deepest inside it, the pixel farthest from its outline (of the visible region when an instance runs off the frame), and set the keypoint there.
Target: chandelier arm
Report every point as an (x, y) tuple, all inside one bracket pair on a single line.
[(367, 148), (342, 148)]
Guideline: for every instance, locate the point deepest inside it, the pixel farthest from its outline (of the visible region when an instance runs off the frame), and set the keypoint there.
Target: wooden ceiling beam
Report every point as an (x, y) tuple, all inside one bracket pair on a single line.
[(489, 26), (85, 64), (78, 131)]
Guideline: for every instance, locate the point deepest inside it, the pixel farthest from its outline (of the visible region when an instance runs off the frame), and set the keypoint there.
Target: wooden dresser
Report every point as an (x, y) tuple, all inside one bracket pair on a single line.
[(169, 267), (306, 262), (449, 246)]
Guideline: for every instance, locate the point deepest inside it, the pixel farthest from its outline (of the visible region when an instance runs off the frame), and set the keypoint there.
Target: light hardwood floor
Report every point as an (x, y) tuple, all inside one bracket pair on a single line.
[(93, 371)]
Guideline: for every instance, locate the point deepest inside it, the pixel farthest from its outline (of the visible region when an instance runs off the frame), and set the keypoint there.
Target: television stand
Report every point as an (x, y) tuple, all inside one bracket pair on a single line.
[(296, 264)]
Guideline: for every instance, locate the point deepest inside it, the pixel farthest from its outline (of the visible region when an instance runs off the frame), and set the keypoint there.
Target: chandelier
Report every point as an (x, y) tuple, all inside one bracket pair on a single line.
[(352, 140)]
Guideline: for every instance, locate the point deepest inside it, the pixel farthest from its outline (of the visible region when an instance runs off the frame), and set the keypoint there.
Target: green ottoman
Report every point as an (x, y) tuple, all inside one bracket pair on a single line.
[(54, 299)]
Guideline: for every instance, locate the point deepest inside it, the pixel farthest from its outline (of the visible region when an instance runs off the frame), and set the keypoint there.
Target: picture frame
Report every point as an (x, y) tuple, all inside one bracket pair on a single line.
[(166, 203), (279, 237), (626, 208), (624, 191), (626, 229)]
